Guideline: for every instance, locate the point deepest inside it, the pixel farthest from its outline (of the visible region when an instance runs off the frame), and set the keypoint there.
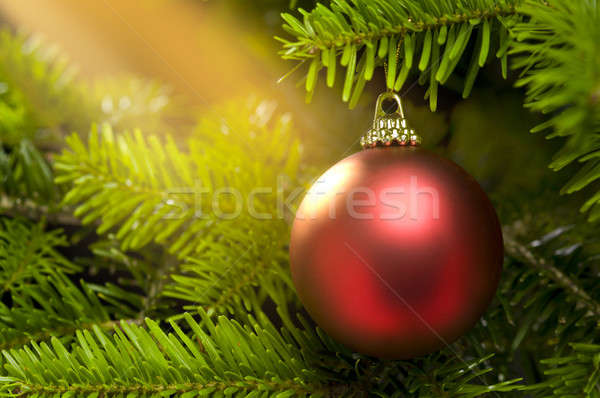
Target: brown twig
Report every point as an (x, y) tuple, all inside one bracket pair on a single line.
[(522, 253), (36, 212)]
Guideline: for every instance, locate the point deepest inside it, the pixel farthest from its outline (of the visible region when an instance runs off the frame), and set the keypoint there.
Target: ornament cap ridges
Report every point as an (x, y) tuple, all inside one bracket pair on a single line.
[(389, 128)]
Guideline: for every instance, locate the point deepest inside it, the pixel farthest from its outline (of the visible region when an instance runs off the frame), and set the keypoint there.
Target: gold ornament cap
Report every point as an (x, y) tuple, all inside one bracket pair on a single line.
[(389, 128)]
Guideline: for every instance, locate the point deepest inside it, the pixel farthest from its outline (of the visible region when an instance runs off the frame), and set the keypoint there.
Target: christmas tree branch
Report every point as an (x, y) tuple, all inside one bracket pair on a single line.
[(424, 23), (221, 357), (62, 331), (574, 375), (43, 99), (249, 387), (44, 302), (523, 253), (224, 357), (556, 47), (27, 175), (156, 192), (157, 284), (27, 252), (244, 280), (236, 277), (428, 38), (144, 191)]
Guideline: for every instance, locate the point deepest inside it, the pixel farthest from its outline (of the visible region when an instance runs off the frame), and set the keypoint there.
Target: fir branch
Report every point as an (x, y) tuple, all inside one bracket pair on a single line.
[(44, 302), (28, 252), (574, 375), (429, 37), (442, 375), (41, 100), (218, 358), (41, 97), (146, 272), (157, 282), (557, 47), (250, 387), (227, 278), (146, 191), (44, 334), (156, 192), (26, 174), (38, 81), (224, 358), (547, 296), (523, 253)]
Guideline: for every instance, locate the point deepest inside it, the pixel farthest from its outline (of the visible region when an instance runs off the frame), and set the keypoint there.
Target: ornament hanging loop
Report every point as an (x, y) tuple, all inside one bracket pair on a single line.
[(389, 128), (379, 112)]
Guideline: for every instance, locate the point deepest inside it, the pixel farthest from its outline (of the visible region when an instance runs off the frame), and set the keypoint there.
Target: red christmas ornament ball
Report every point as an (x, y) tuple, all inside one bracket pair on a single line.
[(396, 252)]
